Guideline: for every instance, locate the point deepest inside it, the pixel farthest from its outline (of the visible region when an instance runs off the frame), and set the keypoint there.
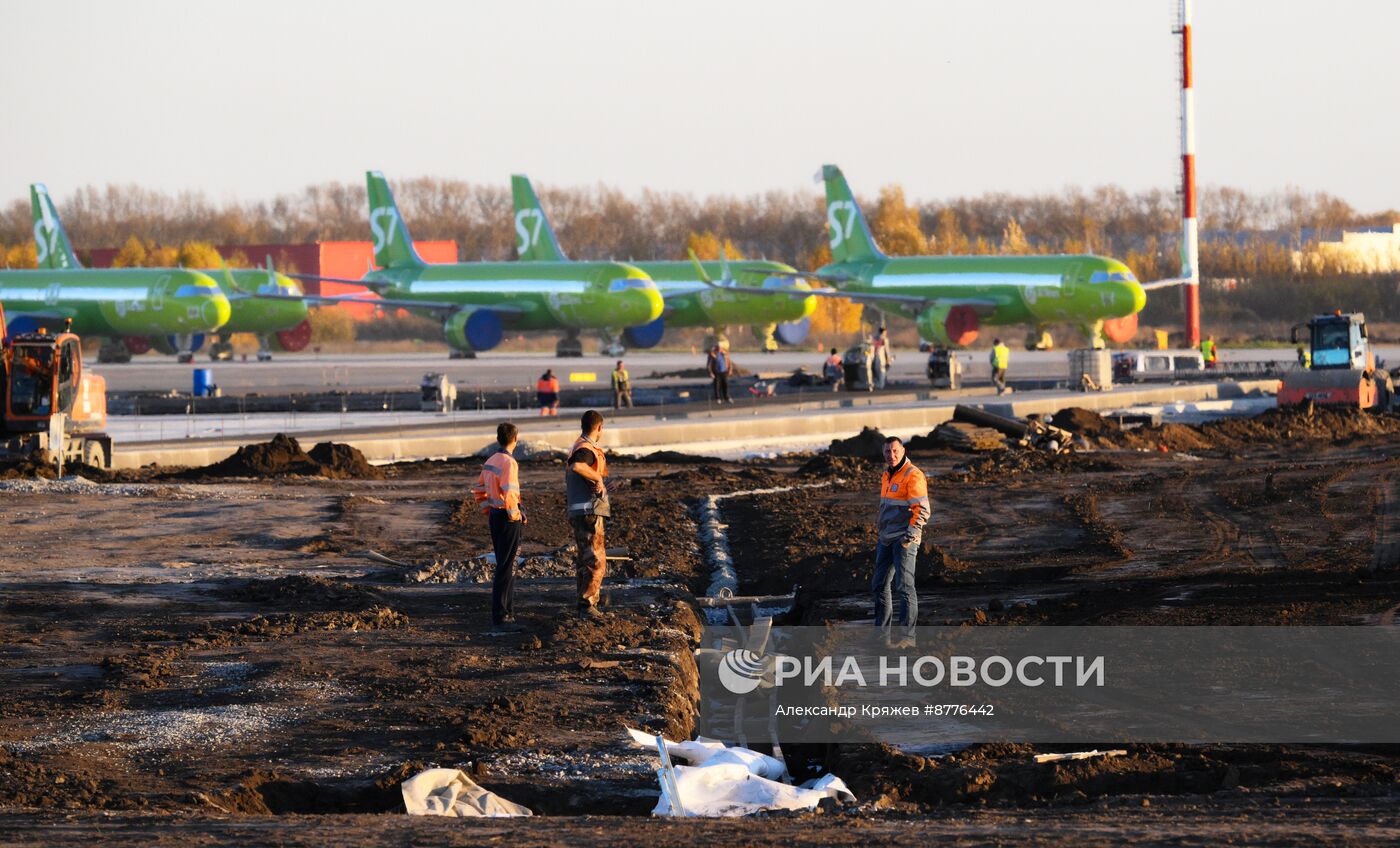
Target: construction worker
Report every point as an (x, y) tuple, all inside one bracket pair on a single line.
[(831, 370), (904, 509), (881, 358), (498, 492), (1208, 351), (621, 386), (1304, 358), (1000, 359), (718, 366), (586, 495), (547, 393)]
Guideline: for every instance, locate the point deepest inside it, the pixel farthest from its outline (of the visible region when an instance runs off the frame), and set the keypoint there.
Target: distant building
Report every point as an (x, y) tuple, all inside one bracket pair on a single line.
[(347, 259), (1369, 250)]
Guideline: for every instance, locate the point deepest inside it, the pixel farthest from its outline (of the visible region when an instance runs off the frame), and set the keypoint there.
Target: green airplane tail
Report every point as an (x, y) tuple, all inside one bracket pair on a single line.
[(51, 245), (393, 246), (850, 235), (534, 236)]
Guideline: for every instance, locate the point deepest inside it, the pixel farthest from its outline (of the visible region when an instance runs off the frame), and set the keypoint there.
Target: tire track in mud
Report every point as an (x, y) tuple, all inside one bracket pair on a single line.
[(1385, 550)]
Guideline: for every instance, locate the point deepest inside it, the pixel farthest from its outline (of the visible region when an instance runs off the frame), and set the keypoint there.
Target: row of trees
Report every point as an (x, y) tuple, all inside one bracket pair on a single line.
[(1141, 228)]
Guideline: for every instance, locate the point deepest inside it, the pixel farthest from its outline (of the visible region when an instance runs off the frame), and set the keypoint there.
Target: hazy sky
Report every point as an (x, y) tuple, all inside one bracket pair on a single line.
[(947, 97)]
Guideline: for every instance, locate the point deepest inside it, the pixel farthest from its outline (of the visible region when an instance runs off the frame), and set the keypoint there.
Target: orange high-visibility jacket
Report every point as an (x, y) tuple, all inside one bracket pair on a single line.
[(498, 487), (550, 385), (601, 465), (904, 504), (578, 490)]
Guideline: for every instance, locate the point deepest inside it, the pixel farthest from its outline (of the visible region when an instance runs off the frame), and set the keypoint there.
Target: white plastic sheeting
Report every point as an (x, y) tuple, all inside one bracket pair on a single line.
[(449, 792), (722, 781), (704, 751)]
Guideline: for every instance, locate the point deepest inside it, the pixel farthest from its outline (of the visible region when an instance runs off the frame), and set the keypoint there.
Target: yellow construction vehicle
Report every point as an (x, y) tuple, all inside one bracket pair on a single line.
[(48, 402)]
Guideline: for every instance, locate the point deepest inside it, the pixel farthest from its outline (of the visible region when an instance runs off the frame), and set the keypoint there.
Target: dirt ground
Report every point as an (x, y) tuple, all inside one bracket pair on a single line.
[(194, 659)]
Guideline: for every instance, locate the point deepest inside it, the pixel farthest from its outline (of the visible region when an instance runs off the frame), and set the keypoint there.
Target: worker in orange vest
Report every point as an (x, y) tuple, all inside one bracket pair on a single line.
[(586, 496), (547, 393), (497, 490), (904, 509)]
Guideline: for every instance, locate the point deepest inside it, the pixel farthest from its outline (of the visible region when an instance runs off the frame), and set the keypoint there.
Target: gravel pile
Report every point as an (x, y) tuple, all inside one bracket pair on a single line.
[(74, 485), (163, 730)]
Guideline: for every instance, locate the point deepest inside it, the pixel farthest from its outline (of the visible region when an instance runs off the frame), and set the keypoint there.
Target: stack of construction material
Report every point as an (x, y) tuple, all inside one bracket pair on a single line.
[(1091, 370), (962, 436)]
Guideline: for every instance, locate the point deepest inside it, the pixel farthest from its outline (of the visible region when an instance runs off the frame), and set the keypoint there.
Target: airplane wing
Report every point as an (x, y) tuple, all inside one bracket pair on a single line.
[(1166, 284), (433, 306), (676, 295), (917, 302), (801, 275), (373, 285)]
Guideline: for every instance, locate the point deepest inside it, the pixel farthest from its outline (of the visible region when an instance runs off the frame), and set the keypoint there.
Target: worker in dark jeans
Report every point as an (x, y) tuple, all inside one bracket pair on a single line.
[(719, 366), (498, 492), (903, 512)]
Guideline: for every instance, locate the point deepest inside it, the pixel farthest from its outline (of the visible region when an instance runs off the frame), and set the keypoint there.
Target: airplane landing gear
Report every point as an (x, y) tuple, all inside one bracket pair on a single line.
[(1093, 333), (569, 346), (113, 350), (264, 350), (221, 350), (610, 343), (1040, 339), (764, 333)]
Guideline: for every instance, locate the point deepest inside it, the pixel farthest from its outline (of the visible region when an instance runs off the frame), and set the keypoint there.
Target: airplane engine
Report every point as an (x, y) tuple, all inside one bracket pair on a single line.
[(646, 336), (475, 329), (293, 340), (951, 326), (22, 324), (1121, 330), (793, 332), (171, 345)]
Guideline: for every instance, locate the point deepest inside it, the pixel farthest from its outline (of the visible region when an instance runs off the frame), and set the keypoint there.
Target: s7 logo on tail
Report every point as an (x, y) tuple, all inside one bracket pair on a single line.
[(528, 237), (383, 233), (840, 233), (46, 241)]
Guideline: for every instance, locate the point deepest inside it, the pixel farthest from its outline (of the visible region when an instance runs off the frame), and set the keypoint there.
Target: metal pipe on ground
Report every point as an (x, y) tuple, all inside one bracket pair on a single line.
[(1012, 427)]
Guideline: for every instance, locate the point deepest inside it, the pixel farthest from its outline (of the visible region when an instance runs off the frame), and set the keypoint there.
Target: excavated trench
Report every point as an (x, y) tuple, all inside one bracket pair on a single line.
[(1282, 521), (1274, 532)]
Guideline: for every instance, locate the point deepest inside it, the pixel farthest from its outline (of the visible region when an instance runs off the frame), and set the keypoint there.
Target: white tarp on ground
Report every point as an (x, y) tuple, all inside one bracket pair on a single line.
[(703, 752), (449, 792), (725, 781)]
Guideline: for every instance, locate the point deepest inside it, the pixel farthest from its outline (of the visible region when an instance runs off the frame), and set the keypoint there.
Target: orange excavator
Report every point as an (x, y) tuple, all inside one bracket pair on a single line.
[(48, 402), (1339, 367)]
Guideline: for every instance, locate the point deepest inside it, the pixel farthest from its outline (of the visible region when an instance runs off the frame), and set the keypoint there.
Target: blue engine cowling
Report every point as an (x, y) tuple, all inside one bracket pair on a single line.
[(478, 329), (645, 336), (170, 345), (793, 332), (22, 324)]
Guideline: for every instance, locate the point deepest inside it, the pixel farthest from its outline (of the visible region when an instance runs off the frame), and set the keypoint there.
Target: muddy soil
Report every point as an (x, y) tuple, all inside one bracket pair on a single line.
[(219, 666), (1287, 519), (1286, 427), (283, 456)]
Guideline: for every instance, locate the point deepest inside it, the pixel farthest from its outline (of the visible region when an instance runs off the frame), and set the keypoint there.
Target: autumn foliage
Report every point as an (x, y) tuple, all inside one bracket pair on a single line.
[(1250, 241)]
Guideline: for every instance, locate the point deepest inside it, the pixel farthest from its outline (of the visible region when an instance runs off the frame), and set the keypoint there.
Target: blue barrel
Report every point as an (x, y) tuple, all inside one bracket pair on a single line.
[(203, 381)]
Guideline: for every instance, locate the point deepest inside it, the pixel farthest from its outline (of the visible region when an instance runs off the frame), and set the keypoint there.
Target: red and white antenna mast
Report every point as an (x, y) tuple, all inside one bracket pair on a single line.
[(1190, 244)]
